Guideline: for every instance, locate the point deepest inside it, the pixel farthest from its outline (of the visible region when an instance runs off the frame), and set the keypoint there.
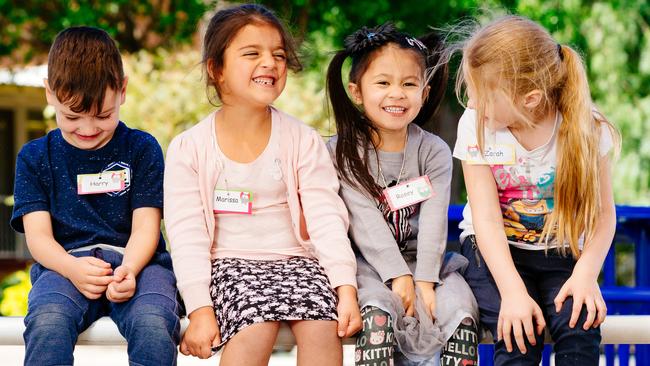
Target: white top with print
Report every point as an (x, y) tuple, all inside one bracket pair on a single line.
[(526, 187)]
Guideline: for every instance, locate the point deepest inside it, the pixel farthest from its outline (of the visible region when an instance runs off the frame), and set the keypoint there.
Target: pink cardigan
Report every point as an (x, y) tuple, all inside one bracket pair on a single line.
[(319, 217)]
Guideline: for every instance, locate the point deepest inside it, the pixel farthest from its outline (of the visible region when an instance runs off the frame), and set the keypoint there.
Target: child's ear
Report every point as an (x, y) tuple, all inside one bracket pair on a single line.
[(123, 91), (213, 73), (355, 91), (425, 93), (533, 99), (49, 95)]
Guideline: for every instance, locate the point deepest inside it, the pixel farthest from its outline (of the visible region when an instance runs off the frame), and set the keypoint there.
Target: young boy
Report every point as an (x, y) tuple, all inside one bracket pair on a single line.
[(88, 197)]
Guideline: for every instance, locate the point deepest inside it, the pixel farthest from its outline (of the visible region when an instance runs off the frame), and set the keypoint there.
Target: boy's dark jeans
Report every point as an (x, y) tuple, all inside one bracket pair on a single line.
[(544, 274), (58, 312)]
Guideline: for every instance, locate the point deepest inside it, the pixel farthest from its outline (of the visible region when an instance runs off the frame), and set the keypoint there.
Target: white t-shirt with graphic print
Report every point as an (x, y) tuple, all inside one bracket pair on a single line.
[(525, 183)]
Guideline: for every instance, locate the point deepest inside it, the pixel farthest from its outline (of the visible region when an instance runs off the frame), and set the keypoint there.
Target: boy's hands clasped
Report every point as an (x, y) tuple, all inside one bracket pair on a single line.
[(90, 275), (122, 287), (94, 277)]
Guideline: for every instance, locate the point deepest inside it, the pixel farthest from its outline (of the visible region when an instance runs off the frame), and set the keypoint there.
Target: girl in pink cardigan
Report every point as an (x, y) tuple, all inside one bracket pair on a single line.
[(258, 233)]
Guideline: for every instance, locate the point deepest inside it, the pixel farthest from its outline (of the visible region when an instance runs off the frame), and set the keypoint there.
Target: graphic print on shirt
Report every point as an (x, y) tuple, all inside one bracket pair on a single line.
[(117, 166), (526, 198), (398, 221)]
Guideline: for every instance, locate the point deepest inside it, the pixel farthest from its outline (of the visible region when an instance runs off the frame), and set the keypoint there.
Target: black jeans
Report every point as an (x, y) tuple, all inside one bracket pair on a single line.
[(544, 274)]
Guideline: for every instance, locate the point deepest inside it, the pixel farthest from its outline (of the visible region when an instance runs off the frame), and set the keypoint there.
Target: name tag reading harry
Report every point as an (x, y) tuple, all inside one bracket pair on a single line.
[(226, 201), (495, 154), (409, 193), (104, 182)]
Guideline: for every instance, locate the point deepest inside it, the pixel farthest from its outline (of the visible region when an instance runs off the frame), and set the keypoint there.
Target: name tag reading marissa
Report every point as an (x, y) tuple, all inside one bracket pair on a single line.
[(227, 201), (409, 193), (104, 182), (495, 154)]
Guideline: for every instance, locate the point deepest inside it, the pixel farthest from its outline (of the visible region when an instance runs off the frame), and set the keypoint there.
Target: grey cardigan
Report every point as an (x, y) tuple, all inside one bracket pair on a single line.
[(425, 154)]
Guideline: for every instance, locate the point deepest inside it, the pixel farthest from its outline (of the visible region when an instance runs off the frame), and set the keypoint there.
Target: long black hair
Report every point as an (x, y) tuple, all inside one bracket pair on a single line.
[(354, 130)]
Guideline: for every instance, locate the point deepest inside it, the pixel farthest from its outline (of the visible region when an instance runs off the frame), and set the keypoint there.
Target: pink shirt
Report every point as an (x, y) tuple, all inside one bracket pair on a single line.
[(270, 215), (318, 216)]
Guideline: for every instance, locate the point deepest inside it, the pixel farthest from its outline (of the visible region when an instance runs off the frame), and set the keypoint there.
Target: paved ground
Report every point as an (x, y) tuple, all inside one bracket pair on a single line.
[(116, 356)]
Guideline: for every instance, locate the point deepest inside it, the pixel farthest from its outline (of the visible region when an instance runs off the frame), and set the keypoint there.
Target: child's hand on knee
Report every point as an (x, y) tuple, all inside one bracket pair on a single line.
[(202, 334), (520, 316), (585, 290), (349, 321), (428, 296), (123, 285), (404, 287), (89, 275)]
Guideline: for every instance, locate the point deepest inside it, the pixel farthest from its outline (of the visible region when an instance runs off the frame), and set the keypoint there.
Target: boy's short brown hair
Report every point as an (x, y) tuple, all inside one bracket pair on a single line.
[(83, 62)]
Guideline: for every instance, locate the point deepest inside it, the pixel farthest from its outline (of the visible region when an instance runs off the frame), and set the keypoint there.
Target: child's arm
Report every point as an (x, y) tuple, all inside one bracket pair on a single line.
[(327, 224), (190, 244), (145, 233), (376, 242), (432, 228), (202, 333), (377, 245), (349, 321), (89, 275), (519, 315), (583, 283)]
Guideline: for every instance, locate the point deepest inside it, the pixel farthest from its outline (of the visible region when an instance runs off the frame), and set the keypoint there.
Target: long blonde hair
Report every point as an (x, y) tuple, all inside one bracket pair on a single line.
[(520, 56)]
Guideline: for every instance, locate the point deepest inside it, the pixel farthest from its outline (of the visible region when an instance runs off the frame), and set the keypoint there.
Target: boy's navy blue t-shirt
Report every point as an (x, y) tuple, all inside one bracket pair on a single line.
[(46, 180)]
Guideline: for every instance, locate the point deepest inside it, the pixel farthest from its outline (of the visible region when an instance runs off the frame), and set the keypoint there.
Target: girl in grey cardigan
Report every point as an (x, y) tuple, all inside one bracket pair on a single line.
[(395, 181)]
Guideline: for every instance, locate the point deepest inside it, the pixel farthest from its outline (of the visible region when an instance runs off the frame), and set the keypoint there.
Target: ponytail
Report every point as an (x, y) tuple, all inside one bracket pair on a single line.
[(577, 187), (437, 76), (353, 129)]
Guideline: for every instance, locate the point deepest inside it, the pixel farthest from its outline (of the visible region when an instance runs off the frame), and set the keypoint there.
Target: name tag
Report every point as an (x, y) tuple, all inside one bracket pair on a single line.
[(226, 201), (495, 154), (409, 193), (104, 182)]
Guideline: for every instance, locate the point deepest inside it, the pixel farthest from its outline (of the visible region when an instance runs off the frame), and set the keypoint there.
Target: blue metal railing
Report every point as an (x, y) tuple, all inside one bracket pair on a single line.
[(633, 226)]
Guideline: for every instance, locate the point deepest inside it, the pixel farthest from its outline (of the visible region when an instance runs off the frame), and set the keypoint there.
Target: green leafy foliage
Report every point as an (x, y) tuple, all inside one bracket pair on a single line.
[(166, 93), (27, 27)]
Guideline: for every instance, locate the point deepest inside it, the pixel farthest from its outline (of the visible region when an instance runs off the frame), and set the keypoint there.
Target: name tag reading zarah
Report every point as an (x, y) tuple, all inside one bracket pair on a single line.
[(409, 193)]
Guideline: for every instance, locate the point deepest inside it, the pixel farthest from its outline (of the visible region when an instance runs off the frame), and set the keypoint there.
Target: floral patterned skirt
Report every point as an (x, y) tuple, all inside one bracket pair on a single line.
[(246, 292)]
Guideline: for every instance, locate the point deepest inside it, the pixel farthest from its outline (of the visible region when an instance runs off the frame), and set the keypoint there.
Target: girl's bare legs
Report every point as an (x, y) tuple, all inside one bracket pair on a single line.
[(252, 345), (318, 344)]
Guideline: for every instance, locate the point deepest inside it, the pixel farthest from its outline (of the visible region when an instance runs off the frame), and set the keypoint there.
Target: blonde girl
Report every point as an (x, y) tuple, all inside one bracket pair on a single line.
[(540, 215)]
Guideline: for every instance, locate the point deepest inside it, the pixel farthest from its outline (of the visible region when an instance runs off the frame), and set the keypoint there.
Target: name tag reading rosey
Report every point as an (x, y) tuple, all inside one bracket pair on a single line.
[(104, 182), (409, 193)]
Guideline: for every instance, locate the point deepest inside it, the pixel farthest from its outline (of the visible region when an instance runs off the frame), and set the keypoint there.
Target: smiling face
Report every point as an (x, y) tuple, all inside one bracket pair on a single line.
[(88, 130), (254, 68), (392, 88)]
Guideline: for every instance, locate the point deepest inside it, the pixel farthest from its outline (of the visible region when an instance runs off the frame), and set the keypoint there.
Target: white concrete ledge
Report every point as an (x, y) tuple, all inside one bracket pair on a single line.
[(617, 329)]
